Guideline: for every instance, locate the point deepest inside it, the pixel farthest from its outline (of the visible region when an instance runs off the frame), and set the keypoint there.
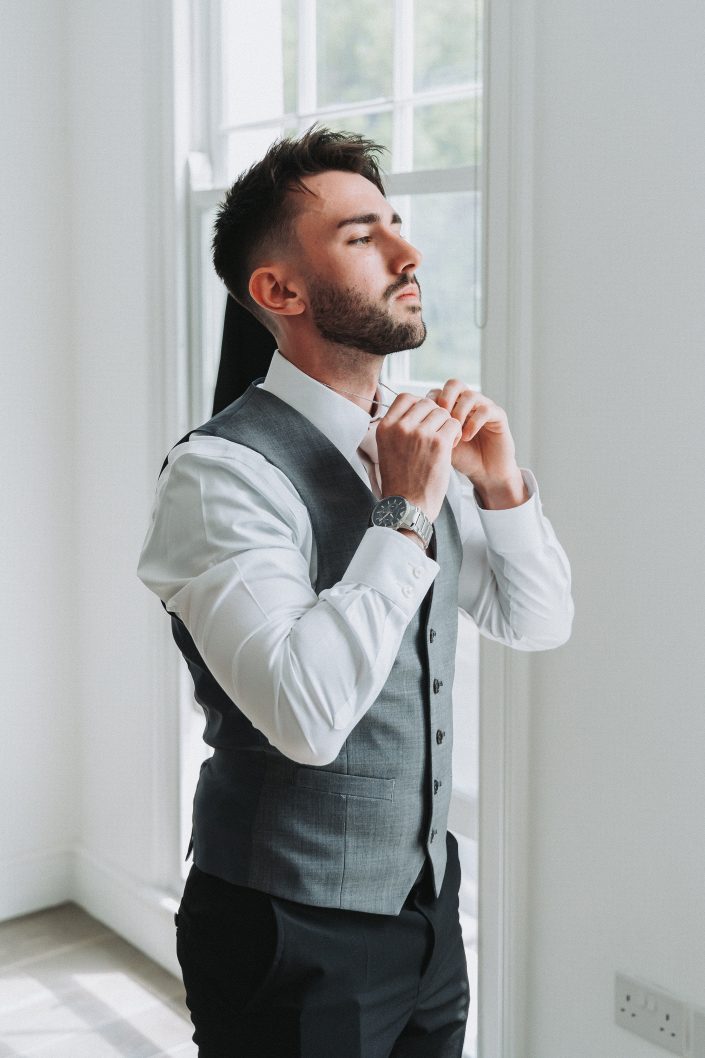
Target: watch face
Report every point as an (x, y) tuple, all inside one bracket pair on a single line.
[(389, 512)]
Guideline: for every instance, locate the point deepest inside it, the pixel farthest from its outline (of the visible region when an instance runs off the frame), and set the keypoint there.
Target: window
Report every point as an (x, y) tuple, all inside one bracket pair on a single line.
[(406, 74), (410, 76)]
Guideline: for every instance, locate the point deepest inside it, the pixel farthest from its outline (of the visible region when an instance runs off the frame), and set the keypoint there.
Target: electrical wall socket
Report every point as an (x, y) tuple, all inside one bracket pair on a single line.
[(697, 1039), (651, 1013)]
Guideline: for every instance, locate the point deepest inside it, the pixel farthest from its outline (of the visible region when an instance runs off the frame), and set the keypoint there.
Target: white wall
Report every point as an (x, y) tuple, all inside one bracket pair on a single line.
[(85, 203), (38, 823), (618, 734), (120, 194)]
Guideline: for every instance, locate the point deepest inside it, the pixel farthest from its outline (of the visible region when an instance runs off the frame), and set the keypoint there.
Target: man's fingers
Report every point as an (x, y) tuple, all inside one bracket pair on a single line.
[(434, 420), (417, 412), (411, 412), (455, 396), (466, 404), (414, 412), (400, 406), (483, 413), (450, 393), (478, 420), (428, 413), (453, 430)]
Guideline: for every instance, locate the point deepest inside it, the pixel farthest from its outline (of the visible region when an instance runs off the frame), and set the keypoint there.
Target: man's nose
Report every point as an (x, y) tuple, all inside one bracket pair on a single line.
[(405, 256)]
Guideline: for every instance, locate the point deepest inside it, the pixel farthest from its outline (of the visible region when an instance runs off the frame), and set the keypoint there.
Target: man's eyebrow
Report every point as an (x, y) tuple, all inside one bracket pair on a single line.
[(367, 218)]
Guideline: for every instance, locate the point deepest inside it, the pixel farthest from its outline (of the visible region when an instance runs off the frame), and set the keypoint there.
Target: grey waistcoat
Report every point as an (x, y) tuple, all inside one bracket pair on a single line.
[(353, 833)]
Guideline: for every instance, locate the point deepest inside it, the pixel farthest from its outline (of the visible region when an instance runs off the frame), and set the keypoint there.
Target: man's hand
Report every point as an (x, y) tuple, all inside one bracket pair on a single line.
[(415, 440), (486, 452)]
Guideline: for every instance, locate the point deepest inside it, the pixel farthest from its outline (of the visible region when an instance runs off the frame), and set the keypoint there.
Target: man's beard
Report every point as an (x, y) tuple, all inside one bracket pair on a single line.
[(347, 317)]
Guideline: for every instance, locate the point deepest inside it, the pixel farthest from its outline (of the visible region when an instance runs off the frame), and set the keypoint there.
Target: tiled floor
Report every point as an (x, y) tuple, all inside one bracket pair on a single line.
[(71, 988)]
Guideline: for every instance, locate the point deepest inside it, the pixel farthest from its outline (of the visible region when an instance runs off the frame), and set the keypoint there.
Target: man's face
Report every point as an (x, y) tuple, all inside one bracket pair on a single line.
[(359, 271)]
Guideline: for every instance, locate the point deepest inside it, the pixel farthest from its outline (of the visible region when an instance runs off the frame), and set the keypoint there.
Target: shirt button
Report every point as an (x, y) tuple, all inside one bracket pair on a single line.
[(431, 634), (437, 684), (440, 735), (418, 572), (407, 590)]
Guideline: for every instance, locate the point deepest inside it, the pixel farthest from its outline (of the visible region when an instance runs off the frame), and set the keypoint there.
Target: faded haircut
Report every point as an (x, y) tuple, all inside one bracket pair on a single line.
[(257, 214)]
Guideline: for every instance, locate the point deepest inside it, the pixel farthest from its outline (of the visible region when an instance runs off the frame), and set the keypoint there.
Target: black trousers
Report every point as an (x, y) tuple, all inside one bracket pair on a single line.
[(271, 978)]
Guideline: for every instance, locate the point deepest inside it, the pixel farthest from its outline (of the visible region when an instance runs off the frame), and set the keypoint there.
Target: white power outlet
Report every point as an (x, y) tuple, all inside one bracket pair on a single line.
[(697, 1044), (650, 1012)]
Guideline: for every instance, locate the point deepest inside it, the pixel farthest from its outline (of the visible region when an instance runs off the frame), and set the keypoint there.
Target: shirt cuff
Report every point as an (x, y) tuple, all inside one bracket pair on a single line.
[(393, 565), (516, 528)]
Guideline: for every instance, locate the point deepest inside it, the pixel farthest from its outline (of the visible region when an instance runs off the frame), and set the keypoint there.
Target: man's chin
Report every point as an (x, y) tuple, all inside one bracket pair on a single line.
[(414, 343), (402, 344)]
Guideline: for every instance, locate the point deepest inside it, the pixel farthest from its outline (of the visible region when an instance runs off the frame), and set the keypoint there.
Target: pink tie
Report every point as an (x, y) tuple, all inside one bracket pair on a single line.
[(367, 450)]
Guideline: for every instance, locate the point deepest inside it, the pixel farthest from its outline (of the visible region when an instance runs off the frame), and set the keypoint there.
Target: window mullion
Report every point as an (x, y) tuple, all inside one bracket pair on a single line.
[(403, 129), (213, 77), (307, 72), (397, 368)]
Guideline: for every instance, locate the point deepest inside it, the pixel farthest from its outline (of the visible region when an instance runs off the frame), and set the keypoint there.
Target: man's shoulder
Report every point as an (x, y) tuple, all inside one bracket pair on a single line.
[(218, 463)]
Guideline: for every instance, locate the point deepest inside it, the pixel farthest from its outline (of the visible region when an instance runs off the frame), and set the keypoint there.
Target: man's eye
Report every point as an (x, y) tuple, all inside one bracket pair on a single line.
[(362, 239)]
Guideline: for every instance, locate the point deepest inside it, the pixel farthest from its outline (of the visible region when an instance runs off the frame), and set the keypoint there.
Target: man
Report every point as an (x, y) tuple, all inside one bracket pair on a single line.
[(310, 550)]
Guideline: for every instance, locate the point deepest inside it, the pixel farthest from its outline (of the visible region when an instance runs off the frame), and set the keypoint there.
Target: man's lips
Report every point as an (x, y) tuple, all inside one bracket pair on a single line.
[(407, 292)]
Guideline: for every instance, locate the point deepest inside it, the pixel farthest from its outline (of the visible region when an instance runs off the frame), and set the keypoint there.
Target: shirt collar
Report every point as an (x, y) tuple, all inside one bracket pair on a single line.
[(343, 422)]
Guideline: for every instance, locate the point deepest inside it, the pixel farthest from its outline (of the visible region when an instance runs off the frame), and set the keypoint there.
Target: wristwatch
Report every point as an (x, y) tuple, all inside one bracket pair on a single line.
[(395, 512)]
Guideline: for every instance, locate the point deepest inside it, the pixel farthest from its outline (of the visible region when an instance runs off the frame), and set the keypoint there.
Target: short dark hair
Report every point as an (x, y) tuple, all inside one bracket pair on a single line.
[(258, 213)]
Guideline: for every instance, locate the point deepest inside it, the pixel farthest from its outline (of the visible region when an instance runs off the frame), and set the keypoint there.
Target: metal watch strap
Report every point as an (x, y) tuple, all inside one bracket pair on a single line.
[(419, 524)]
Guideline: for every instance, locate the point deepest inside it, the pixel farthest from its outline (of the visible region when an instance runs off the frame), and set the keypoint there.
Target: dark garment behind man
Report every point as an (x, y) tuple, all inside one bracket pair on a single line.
[(245, 354)]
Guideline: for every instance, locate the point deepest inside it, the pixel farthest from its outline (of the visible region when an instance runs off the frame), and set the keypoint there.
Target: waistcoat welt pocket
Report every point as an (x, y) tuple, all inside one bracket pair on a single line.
[(335, 782)]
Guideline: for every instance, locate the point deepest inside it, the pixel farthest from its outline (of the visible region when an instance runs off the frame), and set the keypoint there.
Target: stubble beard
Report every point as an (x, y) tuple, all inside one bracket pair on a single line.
[(346, 317)]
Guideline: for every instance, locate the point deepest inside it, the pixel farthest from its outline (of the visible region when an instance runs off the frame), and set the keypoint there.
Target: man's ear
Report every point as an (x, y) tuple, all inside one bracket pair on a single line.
[(275, 292)]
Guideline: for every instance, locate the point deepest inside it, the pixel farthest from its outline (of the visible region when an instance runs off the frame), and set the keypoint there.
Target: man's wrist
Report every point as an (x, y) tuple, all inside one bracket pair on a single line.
[(502, 495), (413, 536)]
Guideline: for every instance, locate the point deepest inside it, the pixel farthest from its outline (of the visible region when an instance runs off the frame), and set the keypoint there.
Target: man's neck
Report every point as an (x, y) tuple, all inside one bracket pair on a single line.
[(350, 372)]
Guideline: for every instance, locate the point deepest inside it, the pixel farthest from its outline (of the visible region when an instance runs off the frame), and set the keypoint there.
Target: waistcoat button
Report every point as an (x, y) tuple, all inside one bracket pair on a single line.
[(433, 834), (436, 784), (440, 735), (437, 684), (431, 634)]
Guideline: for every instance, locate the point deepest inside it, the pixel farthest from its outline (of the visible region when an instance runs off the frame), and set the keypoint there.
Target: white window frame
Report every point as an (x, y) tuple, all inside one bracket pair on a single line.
[(504, 674)]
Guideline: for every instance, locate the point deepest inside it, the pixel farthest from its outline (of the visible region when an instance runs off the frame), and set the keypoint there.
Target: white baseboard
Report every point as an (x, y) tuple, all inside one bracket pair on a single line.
[(36, 880), (142, 914)]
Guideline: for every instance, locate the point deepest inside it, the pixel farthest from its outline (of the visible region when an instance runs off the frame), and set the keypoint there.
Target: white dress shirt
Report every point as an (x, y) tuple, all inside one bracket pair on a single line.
[(230, 550)]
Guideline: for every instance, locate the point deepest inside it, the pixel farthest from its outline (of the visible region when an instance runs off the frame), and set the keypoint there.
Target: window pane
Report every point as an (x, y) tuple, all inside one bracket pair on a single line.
[(247, 146), (444, 43), (252, 42), (442, 227), (290, 53), (377, 127), (355, 51), (447, 135)]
